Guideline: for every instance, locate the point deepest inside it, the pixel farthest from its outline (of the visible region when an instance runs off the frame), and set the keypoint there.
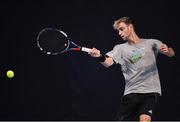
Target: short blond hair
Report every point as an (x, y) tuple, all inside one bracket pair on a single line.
[(126, 20)]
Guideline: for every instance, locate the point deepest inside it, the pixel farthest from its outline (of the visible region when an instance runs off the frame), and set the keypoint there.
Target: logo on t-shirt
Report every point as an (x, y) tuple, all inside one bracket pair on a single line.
[(137, 55)]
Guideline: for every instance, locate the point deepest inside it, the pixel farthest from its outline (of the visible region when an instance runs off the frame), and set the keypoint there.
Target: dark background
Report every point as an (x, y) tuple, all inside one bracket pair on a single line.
[(74, 86)]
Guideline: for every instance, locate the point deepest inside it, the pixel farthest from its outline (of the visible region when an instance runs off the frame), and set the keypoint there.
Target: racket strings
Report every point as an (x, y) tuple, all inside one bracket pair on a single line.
[(53, 41)]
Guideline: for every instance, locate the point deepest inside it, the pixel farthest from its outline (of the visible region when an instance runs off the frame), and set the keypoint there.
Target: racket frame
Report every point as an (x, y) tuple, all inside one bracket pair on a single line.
[(71, 46)]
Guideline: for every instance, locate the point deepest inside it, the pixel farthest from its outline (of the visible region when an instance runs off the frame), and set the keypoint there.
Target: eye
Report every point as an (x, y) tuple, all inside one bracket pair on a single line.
[(121, 29)]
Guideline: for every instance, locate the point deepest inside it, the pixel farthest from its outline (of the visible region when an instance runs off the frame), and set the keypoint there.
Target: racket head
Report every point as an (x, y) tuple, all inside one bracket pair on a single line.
[(53, 41)]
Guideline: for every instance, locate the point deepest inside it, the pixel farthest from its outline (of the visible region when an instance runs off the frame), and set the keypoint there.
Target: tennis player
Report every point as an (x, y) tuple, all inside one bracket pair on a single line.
[(137, 57)]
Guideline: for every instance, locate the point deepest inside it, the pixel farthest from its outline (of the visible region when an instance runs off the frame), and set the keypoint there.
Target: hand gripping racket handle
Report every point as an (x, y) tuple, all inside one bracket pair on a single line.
[(85, 49)]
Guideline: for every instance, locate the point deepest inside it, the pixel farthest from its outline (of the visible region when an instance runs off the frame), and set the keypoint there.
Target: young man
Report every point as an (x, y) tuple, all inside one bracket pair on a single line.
[(137, 56)]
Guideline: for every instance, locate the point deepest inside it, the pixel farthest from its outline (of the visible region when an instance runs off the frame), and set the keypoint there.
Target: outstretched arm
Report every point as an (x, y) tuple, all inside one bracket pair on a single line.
[(105, 60), (167, 50)]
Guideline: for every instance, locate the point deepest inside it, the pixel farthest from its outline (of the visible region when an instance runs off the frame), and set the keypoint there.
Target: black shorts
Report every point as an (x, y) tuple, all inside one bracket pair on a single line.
[(135, 104)]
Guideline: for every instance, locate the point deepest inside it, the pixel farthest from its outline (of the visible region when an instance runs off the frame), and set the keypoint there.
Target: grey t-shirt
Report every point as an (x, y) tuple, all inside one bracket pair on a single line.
[(138, 64)]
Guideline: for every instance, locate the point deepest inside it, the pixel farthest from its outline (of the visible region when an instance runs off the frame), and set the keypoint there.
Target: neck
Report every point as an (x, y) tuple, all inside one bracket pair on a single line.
[(134, 38)]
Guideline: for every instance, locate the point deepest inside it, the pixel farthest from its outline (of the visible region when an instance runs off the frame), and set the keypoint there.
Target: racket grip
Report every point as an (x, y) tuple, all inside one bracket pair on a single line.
[(85, 49)]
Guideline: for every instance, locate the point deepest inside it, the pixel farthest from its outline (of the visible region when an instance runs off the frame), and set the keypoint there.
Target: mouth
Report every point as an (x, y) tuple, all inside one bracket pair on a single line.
[(122, 37)]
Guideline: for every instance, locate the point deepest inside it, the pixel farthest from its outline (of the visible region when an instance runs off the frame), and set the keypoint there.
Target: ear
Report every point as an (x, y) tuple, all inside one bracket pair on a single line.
[(131, 26)]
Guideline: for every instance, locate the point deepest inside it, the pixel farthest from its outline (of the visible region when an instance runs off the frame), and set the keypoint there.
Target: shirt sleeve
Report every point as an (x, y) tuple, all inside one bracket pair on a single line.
[(116, 54), (156, 45)]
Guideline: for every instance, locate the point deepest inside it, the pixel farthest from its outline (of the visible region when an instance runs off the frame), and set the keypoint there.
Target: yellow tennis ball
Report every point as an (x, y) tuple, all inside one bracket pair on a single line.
[(10, 74)]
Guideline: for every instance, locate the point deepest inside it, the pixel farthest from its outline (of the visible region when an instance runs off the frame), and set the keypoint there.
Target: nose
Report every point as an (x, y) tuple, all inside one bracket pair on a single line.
[(120, 32)]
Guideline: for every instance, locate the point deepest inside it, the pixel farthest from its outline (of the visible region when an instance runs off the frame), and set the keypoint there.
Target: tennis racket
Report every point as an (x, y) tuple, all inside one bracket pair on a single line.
[(54, 41)]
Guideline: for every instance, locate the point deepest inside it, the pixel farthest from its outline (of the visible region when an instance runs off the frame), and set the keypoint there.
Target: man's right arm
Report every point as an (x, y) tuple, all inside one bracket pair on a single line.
[(105, 60), (108, 62)]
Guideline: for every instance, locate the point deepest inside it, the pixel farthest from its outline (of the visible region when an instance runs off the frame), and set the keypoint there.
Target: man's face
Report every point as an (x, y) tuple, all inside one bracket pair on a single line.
[(124, 30)]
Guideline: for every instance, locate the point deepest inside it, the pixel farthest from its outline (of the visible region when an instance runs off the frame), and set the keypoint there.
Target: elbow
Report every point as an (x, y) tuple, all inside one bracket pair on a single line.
[(171, 52), (172, 55)]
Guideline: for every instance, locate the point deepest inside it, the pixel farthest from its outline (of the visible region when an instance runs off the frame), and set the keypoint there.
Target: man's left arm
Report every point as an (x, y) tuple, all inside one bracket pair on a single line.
[(167, 50)]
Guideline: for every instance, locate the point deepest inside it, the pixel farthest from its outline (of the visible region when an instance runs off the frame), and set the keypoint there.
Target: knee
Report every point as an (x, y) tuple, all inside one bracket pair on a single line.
[(144, 118)]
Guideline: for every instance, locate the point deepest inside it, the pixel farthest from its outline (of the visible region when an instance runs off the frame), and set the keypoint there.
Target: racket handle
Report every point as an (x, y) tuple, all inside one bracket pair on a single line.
[(85, 49)]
